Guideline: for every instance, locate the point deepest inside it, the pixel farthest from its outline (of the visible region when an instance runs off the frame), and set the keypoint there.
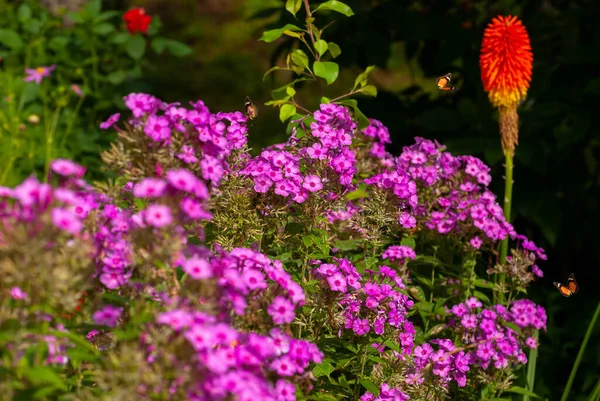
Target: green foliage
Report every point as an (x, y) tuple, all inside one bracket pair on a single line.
[(97, 62)]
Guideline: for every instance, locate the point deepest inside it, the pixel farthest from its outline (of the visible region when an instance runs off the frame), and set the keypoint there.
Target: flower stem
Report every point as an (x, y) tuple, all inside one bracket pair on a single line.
[(531, 365), (588, 334), (508, 187)]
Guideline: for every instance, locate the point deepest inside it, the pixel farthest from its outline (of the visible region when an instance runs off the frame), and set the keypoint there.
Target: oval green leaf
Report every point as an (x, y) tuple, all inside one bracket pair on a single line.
[(158, 44), (335, 5), (293, 6), (177, 49), (10, 39), (300, 58), (327, 70), (273, 34), (321, 46), (369, 90), (23, 12), (334, 49), (136, 47), (103, 28), (286, 111)]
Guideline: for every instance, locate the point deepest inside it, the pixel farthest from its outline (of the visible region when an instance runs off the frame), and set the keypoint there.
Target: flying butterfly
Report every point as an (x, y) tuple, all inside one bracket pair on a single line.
[(567, 290), (443, 83), (251, 109)]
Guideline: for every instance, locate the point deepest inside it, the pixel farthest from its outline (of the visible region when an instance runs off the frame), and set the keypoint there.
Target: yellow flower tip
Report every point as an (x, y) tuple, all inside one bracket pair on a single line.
[(506, 61)]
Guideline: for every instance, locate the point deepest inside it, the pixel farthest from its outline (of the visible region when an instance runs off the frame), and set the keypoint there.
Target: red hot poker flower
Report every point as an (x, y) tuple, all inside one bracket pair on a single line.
[(137, 20), (506, 61), (506, 64)]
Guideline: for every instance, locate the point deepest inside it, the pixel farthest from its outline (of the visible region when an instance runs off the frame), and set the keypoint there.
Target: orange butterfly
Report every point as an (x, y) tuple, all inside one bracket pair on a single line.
[(571, 288), (251, 109), (443, 83)]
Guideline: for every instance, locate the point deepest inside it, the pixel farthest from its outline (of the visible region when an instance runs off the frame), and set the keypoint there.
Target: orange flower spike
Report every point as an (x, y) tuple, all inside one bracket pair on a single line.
[(506, 61)]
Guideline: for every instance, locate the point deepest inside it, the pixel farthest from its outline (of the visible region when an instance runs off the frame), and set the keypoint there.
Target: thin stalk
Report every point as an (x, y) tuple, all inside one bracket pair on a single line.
[(71, 122), (508, 187), (50, 143), (588, 334), (531, 365), (595, 396)]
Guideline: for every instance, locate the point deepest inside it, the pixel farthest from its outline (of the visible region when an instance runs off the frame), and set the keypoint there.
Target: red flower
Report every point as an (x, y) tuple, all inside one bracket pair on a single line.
[(137, 20), (506, 61)]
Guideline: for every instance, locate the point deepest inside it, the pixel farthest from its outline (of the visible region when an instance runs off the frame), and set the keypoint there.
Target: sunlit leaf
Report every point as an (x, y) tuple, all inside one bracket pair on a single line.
[(363, 77), (335, 5), (326, 70), (369, 90), (10, 39), (321, 46), (293, 6), (300, 58), (286, 111), (274, 34)]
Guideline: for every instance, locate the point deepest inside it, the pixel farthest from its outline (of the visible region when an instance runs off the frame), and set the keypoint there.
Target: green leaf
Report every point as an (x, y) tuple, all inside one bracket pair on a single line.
[(357, 194), (32, 26), (44, 375), (327, 70), (136, 47), (370, 386), (363, 77), (480, 295), (177, 48), (335, 5), (281, 92), (93, 7), (513, 326), (106, 16), (120, 38), (286, 111), (408, 241), (77, 18), (324, 369), (325, 100), (274, 34), (300, 58), (369, 90), (334, 49), (522, 391), (158, 44), (347, 244), (116, 77), (23, 12), (103, 29), (10, 39), (293, 6), (321, 46), (58, 43)]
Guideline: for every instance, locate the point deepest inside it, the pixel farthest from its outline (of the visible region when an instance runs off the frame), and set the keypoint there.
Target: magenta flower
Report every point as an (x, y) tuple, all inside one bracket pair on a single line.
[(183, 180), (312, 183), (198, 268), (262, 184), (66, 220), (158, 215), (67, 168), (39, 73), (18, 293), (149, 188), (158, 128), (107, 316), (110, 121), (281, 310)]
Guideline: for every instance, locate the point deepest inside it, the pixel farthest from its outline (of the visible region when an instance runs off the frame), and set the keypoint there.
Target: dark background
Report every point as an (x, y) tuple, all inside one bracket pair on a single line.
[(557, 180)]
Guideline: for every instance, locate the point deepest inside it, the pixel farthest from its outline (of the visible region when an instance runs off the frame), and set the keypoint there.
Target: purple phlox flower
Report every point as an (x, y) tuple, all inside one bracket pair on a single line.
[(66, 220), (281, 310), (67, 168), (110, 121), (107, 316), (158, 216)]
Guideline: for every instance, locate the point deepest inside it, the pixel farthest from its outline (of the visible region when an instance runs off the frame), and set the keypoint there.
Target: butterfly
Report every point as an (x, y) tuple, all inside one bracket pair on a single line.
[(571, 288), (251, 109), (443, 83)]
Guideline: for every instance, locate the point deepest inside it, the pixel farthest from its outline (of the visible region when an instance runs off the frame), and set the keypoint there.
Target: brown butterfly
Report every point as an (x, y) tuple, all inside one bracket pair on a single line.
[(443, 83), (251, 109), (567, 290)]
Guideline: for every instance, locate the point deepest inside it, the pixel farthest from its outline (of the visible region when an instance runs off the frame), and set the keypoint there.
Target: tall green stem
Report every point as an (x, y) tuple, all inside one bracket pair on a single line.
[(588, 334), (531, 365), (508, 187)]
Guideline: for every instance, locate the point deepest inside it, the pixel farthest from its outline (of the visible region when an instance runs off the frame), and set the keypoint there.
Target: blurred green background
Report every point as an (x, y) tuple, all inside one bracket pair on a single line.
[(557, 180)]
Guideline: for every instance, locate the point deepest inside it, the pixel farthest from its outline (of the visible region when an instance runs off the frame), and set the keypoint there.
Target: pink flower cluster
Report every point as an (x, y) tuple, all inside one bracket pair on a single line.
[(487, 339), (235, 363), (300, 171), (386, 393), (381, 136), (377, 305)]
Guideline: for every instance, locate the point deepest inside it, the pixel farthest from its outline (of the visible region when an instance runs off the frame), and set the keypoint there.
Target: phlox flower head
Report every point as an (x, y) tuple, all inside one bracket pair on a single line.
[(107, 316)]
